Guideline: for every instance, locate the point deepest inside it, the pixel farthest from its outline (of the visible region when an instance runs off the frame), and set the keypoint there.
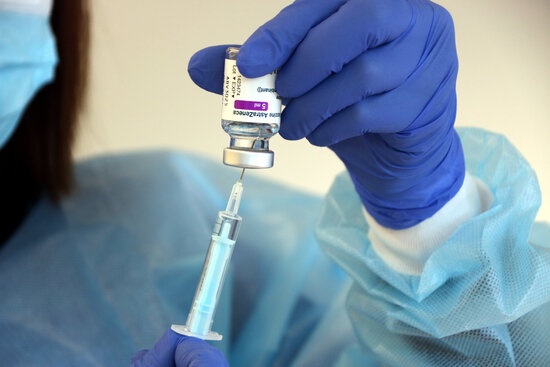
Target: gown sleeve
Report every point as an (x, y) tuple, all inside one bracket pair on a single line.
[(481, 298)]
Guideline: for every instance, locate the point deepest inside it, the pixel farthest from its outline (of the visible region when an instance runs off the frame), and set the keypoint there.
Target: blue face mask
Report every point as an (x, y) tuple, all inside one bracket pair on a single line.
[(27, 61)]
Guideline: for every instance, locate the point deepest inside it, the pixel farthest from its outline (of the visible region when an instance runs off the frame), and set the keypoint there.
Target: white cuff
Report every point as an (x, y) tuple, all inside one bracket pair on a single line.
[(407, 250)]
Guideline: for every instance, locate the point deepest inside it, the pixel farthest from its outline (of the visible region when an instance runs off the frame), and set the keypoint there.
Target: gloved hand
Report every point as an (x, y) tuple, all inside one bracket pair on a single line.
[(373, 80), (174, 350)]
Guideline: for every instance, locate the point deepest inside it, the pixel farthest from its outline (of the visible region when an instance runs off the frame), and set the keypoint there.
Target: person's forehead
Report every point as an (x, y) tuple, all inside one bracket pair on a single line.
[(41, 7)]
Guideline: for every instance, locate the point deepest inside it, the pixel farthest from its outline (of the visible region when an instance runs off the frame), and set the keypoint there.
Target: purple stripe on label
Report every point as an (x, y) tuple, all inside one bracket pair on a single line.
[(251, 105)]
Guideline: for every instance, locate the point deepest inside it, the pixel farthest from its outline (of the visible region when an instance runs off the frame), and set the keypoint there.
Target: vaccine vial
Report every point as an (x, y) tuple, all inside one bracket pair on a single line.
[(251, 114)]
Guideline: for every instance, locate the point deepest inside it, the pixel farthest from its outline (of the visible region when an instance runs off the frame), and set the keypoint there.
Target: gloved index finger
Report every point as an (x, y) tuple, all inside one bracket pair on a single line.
[(270, 46), (357, 26)]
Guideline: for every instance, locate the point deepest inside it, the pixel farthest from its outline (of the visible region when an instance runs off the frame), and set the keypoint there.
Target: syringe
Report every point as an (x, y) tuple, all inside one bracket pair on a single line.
[(226, 230)]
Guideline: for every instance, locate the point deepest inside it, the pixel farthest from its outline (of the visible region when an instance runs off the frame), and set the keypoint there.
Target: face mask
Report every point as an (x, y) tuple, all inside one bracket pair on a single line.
[(27, 58)]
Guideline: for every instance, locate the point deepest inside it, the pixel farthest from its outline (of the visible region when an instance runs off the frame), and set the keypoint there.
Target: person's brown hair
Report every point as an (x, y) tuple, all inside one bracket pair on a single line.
[(38, 157)]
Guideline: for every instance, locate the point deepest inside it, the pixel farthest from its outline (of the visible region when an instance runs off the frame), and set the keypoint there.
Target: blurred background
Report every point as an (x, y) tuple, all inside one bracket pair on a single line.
[(141, 96)]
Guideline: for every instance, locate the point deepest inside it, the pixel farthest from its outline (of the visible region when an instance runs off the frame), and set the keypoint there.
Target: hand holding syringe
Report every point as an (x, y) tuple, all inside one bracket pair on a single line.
[(224, 235)]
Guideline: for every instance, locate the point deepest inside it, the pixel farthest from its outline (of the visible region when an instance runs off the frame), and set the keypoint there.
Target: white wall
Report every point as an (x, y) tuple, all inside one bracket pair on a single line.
[(141, 96)]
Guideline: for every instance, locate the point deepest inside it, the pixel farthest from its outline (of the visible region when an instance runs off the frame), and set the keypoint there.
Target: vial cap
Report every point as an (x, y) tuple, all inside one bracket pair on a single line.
[(246, 158)]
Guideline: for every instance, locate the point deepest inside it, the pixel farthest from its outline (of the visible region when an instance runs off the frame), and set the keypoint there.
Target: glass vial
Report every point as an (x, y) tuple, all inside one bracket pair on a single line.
[(251, 114)]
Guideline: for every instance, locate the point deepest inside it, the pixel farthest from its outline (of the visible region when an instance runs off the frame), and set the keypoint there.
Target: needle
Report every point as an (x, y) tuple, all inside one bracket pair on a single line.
[(242, 174)]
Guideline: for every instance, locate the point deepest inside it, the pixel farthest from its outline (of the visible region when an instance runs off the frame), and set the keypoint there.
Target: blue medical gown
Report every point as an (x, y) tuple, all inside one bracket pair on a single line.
[(101, 276)]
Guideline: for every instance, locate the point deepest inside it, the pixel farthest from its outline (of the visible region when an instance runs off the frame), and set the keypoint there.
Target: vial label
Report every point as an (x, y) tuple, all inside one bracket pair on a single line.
[(251, 100)]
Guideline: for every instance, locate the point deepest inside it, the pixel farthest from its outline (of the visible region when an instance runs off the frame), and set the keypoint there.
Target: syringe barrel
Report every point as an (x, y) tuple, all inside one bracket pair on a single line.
[(224, 235)]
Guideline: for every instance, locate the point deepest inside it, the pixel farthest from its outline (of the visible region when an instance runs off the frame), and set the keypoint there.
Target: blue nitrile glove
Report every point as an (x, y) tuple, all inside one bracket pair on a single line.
[(174, 350), (374, 80)]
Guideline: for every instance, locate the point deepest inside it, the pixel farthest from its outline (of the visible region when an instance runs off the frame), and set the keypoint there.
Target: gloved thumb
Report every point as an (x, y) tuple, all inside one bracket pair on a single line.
[(193, 352), (162, 353), (267, 49), (206, 68), (270, 46)]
